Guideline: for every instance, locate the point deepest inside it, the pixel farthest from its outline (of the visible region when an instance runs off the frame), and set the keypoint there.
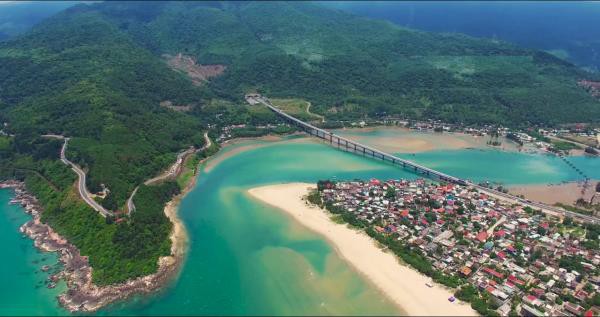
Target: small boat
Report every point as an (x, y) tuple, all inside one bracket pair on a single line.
[(429, 284)]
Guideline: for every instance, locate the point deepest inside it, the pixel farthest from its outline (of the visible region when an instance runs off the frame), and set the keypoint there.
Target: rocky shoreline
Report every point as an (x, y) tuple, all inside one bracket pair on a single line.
[(82, 294)]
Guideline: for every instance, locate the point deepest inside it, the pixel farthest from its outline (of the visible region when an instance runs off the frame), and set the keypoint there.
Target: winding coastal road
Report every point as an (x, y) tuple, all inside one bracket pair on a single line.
[(172, 172), (83, 192), (130, 204)]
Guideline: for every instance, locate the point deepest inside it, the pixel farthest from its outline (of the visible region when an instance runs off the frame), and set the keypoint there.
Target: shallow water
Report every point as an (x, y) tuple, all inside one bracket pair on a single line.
[(248, 258), (23, 290)]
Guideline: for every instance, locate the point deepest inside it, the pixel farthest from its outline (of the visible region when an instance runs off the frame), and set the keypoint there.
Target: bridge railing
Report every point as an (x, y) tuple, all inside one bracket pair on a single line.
[(441, 175), (347, 141)]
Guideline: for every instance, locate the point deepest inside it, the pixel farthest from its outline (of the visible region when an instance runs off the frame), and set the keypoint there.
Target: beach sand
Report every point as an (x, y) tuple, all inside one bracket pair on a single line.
[(267, 140), (403, 140), (566, 193), (404, 286)]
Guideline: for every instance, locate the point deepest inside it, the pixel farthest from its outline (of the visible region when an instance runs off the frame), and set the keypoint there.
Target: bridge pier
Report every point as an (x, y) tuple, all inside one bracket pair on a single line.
[(408, 164)]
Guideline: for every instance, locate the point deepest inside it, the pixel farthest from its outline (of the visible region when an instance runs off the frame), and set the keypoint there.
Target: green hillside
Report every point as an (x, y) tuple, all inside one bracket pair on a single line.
[(334, 59), (78, 75), (98, 74)]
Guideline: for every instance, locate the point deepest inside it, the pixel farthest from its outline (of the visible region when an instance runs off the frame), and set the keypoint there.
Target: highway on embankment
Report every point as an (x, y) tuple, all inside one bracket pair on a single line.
[(359, 148)]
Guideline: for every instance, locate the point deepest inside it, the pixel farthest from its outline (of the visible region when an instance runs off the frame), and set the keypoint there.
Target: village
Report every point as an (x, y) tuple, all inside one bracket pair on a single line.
[(517, 259)]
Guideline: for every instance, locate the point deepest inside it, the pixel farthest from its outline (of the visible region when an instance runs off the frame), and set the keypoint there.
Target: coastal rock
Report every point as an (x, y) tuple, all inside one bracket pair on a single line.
[(82, 294)]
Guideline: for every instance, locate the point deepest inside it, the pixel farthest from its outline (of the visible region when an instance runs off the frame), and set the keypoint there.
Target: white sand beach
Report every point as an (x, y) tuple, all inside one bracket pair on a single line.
[(405, 287)]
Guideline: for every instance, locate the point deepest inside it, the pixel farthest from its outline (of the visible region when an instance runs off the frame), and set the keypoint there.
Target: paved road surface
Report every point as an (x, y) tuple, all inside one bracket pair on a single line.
[(83, 192), (170, 173), (308, 105), (552, 210), (130, 204)]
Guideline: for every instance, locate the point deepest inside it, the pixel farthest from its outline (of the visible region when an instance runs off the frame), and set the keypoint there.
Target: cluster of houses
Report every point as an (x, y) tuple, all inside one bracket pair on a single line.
[(593, 87), (236, 130), (2, 128), (227, 132), (519, 259)]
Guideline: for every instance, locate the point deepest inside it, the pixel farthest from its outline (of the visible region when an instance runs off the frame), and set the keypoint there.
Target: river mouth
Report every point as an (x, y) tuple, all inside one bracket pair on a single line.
[(246, 258)]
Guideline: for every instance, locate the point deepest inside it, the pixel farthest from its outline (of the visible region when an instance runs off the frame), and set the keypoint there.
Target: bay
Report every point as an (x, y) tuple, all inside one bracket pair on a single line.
[(246, 258)]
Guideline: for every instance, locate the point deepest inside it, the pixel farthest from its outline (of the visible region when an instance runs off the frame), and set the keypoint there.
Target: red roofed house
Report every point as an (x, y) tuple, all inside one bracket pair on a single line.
[(375, 182), (466, 271), (532, 300), (589, 313), (493, 273), (482, 236), (515, 280)]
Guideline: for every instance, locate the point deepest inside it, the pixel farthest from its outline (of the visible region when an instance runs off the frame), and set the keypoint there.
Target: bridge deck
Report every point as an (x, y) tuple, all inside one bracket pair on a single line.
[(323, 134), (358, 147)]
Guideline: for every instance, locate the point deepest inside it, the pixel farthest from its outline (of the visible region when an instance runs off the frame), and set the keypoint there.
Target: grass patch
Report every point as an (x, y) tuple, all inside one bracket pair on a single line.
[(337, 219), (4, 142), (565, 146), (188, 171), (295, 107)]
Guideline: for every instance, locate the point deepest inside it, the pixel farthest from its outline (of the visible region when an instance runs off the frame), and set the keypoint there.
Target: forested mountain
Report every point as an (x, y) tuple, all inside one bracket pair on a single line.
[(102, 74), (78, 75), (347, 65), (98, 72)]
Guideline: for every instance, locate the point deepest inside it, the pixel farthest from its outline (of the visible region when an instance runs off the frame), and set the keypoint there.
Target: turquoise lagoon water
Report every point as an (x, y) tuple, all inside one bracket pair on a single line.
[(509, 168), (23, 290), (248, 258)]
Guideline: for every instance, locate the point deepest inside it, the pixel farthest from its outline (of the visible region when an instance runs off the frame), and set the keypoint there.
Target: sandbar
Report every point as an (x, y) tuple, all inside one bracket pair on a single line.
[(565, 193), (404, 286)]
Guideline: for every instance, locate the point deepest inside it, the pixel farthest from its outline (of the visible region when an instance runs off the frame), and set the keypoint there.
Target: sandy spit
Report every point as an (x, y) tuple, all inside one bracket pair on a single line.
[(412, 141), (404, 286), (566, 193)]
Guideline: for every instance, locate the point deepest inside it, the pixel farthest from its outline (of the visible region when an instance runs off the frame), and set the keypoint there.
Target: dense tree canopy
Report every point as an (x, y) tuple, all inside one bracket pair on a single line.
[(97, 73)]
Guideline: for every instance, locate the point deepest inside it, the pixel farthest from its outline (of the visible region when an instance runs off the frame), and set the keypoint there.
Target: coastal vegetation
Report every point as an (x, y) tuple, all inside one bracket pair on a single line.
[(410, 255), (96, 73), (116, 251), (295, 107), (431, 226), (564, 146)]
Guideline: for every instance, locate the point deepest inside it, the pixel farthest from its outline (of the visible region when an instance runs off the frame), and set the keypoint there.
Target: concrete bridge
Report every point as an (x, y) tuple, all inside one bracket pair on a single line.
[(356, 147), (352, 146)]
